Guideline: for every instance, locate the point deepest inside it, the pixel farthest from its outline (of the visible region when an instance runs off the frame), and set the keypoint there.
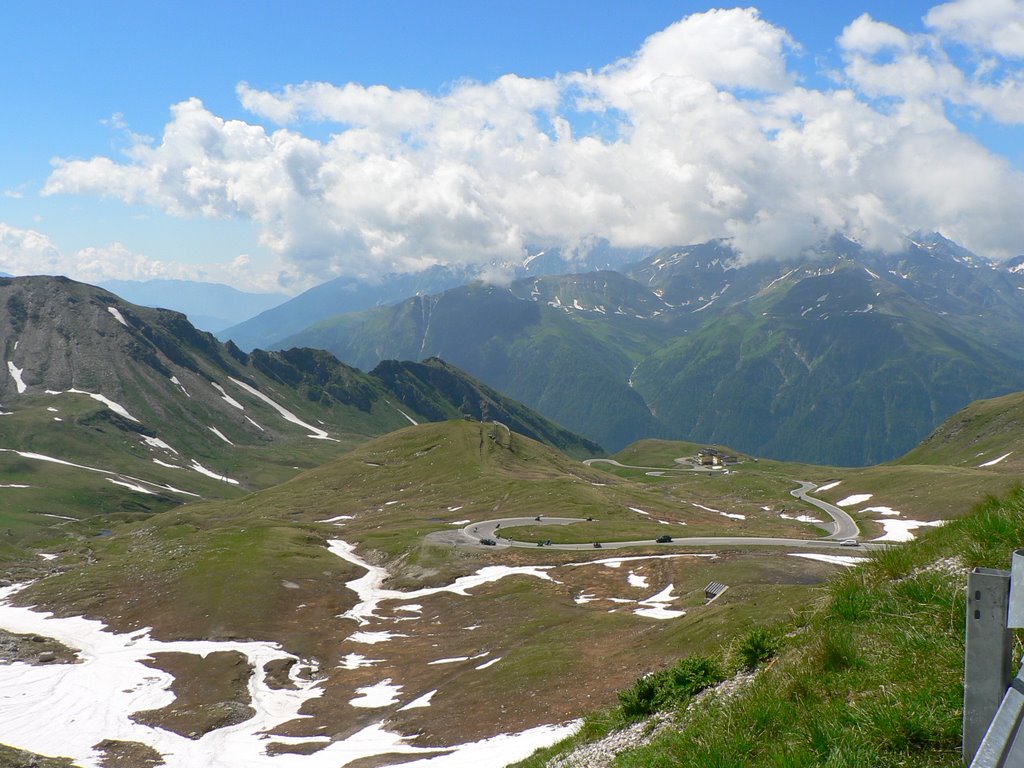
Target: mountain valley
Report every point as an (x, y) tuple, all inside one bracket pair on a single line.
[(332, 605), (772, 358)]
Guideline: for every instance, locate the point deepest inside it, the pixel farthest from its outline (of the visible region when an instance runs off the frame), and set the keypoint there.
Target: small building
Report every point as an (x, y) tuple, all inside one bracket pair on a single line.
[(713, 590)]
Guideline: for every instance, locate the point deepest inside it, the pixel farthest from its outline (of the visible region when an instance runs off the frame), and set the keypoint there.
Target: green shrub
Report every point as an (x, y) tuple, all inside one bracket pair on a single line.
[(641, 699), (758, 646), (669, 688), (692, 675)]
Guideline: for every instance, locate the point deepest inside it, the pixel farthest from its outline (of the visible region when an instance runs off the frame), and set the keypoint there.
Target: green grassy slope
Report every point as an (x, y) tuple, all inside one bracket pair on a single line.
[(872, 675)]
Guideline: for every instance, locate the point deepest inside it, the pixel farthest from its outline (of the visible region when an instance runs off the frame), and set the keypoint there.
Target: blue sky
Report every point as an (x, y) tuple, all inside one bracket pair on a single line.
[(94, 82)]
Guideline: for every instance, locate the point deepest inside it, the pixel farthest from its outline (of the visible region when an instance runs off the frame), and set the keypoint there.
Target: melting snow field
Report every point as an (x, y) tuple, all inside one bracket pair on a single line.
[(197, 467), (117, 408), (846, 560), (857, 498), (65, 709), (382, 694), (119, 479), (656, 606), (287, 415), (16, 375), (986, 464), (828, 486), (900, 530), (371, 592), (117, 316), (800, 518)]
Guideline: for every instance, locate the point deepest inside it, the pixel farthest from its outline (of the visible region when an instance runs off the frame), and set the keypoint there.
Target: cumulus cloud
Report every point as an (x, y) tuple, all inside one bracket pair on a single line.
[(704, 132), (987, 25), (28, 252)]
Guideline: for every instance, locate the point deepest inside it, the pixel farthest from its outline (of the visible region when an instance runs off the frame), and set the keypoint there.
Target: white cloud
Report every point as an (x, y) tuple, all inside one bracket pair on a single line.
[(883, 61), (24, 251), (866, 35), (28, 252), (704, 132), (987, 25)]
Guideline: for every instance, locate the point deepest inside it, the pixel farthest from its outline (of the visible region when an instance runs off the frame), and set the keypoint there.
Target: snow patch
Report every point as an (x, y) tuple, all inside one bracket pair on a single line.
[(846, 560), (828, 486), (986, 464), (419, 703), (118, 316), (16, 375), (882, 510), (616, 562), (357, 661), (178, 384), (220, 434), (901, 530), (337, 518), (372, 638), (197, 467), (857, 498), (130, 486), (315, 432), (706, 509), (636, 580), (452, 660), (656, 606), (371, 592), (800, 518), (226, 397), (117, 408), (156, 442), (382, 694), (490, 663)]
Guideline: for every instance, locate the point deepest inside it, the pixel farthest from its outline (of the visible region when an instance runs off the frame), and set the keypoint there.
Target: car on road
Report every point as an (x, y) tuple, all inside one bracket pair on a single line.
[(664, 539), (849, 543), (489, 542), (597, 545)]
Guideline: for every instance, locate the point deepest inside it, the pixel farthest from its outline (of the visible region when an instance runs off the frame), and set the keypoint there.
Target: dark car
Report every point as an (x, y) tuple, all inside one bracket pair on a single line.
[(664, 539), (489, 542), (597, 545)]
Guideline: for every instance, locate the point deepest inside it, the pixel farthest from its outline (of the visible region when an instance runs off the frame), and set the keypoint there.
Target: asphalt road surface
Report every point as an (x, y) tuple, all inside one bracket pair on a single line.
[(844, 528)]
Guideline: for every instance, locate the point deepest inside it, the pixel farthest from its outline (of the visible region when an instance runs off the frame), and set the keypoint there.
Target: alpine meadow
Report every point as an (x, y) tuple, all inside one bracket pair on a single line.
[(574, 385)]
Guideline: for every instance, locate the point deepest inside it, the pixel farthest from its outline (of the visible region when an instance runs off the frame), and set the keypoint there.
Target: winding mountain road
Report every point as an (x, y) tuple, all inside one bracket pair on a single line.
[(844, 528)]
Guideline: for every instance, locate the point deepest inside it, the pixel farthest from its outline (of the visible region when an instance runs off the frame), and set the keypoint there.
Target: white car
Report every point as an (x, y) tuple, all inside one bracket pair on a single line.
[(849, 543)]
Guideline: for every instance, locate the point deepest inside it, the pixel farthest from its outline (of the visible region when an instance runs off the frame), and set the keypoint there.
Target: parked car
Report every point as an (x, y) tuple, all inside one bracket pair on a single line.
[(664, 539)]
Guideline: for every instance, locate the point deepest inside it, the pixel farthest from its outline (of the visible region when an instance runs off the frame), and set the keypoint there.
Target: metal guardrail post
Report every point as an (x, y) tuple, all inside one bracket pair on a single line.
[(1015, 616), (987, 652)]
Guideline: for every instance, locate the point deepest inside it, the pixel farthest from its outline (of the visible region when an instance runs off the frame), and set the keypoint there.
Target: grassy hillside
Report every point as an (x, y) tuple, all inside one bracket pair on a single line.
[(259, 567), (981, 433), (572, 372), (871, 675)]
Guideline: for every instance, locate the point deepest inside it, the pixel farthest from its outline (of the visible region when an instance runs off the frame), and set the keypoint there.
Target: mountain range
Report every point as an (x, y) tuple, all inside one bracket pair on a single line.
[(157, 412), (272, 553), (209, 306), (354, 294), (842, 355)]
